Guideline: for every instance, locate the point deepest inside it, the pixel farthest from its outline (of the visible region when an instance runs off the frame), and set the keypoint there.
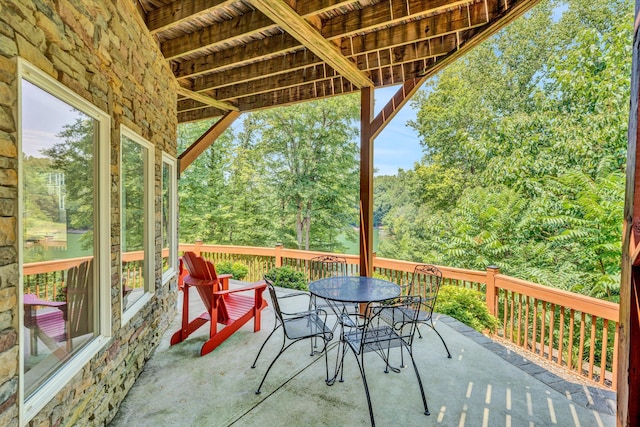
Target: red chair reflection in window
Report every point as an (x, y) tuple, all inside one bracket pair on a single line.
[(59, 322)]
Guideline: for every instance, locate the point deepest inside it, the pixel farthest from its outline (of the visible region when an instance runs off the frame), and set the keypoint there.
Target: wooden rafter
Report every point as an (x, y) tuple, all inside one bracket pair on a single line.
[(180, 11), (253, 55), (207, 138), (206, 100), (282, 14), (441, 24)]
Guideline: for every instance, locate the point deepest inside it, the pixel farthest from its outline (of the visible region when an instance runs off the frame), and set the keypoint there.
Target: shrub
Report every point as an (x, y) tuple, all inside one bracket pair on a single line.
[(287, 277), (237, 269), (467, 306)]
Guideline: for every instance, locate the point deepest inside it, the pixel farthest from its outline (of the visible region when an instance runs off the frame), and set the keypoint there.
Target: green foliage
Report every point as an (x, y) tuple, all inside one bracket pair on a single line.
[(467, 306), (237, 269), (286, 175), (524, 150), (287, 277)]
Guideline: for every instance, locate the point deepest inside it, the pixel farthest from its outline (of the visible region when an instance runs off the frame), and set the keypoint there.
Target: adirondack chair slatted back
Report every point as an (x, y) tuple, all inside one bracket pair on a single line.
[(80, 315), (202, 269), (231, 307)]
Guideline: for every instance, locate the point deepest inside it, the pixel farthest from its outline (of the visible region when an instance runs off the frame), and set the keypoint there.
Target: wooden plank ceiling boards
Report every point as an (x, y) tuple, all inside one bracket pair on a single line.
[(246, 55)]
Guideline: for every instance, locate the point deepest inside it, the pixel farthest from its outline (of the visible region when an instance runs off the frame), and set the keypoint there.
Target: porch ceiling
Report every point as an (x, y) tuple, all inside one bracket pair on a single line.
[(246, 55)]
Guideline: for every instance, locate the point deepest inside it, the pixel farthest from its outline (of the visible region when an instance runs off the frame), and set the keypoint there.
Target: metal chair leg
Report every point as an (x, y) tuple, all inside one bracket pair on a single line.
[(263, 344)]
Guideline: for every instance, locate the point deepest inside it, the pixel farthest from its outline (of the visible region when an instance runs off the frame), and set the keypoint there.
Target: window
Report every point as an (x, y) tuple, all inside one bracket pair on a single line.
[(136, 222), (63, 234), (169, 227)]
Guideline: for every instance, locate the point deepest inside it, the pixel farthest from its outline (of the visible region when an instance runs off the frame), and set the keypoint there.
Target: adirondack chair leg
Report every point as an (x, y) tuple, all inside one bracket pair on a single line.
[(256, 320), (188, 327), (225, 333)]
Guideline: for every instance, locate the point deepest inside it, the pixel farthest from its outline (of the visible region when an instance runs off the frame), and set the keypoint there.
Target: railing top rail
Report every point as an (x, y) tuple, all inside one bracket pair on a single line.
[(53, 265), (239, 250), (594, 306), (447, 272), (307, 255)]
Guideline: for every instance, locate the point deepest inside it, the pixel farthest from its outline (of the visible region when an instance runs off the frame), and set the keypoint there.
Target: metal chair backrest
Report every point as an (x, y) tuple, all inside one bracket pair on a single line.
[(385, 326), (327, 266), (274, 300), (425, 282)]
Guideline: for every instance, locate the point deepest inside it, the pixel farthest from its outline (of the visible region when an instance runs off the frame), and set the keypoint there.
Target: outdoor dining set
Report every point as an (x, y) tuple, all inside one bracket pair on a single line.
[(372, 315)]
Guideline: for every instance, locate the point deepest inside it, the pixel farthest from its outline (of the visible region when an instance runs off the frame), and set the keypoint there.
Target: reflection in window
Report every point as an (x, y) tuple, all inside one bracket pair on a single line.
[(59, 205), (135, 218)]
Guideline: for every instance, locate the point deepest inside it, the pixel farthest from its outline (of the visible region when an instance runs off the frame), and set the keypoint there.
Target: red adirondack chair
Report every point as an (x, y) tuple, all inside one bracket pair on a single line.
[(230, 307)]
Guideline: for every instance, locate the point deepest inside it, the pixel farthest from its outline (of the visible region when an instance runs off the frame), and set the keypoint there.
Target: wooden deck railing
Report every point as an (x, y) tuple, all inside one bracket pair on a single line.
[(575, 332)]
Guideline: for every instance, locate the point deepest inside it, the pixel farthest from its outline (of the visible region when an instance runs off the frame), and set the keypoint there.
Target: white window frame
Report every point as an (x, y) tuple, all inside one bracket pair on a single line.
[(149, 225), (34, 403), (172, 164)]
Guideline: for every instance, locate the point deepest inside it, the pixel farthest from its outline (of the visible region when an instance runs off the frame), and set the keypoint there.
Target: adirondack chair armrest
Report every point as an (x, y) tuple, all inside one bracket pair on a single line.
[(258, 286)]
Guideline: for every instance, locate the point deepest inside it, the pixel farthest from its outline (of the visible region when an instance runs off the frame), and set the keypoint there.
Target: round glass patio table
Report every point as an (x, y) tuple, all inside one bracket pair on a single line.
[(354, 289)]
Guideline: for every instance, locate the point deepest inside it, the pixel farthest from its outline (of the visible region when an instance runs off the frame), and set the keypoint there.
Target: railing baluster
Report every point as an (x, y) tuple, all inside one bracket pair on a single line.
[(534, 338), (581, 350), (603, 354), (552, 317), (561, 337), (519, 317), (592, 346), (525, 344), (511, 316), (542, 327), (504, 314), (572, 321)]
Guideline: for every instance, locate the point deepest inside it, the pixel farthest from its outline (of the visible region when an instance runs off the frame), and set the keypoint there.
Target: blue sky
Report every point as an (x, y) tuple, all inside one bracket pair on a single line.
[(397, 146)]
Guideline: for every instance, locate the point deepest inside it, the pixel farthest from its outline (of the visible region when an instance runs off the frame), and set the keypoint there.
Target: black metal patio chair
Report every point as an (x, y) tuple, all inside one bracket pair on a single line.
[(381, 328), (324, 266), (426, 281), (296, 327)]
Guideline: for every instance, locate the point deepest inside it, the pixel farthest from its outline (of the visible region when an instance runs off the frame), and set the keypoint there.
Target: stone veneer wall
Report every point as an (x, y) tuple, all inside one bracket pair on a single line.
[(97, 49)]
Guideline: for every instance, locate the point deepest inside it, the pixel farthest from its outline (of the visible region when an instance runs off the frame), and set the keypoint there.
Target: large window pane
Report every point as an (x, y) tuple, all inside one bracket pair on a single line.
[(58, 222), (136, 218)]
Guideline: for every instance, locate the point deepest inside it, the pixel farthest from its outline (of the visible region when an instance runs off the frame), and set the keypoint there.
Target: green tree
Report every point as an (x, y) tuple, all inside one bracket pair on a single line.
[(524, 143), (311, 162)]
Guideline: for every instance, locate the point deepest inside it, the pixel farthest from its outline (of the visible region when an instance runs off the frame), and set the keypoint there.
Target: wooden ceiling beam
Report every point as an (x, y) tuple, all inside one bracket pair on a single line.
[(444, 23), (287, 18), (199, 114), (174, 14), (180, 11), (223, 32), (467, 40), (364, 50), (206, 100), (240, 27), (386, 13), (237, 56), (321, 72)]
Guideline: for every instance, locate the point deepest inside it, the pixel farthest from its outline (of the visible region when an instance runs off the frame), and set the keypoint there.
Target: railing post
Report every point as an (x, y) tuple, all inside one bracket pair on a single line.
[(492, 272), (279, 254), (198, 248)]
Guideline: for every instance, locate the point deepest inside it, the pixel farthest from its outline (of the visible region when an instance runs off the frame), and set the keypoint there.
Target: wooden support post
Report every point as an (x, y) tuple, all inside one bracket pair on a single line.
[(207, 138), (366, 182), (491, 297), (628, 372), (279, 247)]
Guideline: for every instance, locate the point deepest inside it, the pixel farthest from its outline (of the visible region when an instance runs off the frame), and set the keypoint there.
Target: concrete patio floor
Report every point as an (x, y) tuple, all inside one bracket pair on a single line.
[(483, 384)]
